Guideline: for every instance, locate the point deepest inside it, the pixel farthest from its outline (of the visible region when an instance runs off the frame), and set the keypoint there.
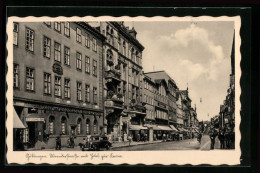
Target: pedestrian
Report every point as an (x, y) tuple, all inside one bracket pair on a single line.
[(58, 143), (212, 138), (130, 139), (199, 137), (227, 137), (221, 138)]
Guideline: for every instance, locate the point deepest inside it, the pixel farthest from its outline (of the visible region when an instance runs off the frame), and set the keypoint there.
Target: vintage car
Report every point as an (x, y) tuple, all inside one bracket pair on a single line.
[(97, 143)]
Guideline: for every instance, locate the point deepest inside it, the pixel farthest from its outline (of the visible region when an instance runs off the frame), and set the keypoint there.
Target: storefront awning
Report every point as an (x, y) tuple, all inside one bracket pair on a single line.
[(166, 128), (152, 126), (173, 128), (137, 127), (18, 124)]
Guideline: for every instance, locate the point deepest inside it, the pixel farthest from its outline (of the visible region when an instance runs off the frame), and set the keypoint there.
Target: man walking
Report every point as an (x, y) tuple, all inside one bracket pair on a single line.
[(221, 139), (212, 138)]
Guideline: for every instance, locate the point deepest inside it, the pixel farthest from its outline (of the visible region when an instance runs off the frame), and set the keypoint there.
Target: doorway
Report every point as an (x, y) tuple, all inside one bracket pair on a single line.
[(32, 134)]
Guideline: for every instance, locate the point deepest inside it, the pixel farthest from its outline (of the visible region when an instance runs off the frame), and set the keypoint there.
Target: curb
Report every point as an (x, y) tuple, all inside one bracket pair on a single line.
[(135, 145)]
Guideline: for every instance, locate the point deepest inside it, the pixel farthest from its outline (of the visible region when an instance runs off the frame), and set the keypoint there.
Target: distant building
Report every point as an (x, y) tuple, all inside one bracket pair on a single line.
[(58, 81)]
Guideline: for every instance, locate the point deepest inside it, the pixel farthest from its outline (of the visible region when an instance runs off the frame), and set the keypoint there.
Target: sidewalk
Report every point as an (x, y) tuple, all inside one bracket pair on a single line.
[(133, 143)]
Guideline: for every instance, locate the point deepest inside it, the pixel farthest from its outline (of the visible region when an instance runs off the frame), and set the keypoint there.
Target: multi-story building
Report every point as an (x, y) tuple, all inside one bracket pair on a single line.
[(165, 100), (57, 81), (124, 111)]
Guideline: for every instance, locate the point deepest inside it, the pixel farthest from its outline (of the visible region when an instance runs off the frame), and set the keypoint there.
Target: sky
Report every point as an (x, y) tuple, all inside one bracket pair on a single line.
[(194, 53)]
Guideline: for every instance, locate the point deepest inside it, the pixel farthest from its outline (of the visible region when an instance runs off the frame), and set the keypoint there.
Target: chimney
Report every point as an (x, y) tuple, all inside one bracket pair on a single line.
[(132, 32)]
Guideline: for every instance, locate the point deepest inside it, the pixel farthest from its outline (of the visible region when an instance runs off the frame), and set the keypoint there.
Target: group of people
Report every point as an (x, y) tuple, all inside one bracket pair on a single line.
[(225, 135)]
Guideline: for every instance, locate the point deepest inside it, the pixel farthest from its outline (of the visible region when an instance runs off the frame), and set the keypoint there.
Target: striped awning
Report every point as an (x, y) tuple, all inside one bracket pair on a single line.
[(165, 128), (173, 128), (137, 127), (18, 124)]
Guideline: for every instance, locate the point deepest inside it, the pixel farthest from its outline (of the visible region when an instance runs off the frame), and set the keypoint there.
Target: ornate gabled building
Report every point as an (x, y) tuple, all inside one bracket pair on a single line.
[(124, 109)]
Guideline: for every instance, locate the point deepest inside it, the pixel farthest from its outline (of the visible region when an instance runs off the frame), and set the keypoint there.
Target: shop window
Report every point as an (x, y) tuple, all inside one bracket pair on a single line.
[(63, 125), (79, 126), (51, 125), (15, 33), (26, 135), (87, 126)]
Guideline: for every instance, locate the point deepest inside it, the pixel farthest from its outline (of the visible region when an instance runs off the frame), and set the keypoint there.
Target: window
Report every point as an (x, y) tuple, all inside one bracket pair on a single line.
[(47, 83), (87, 126), (78, 35), (87, 93), (57, 26), (30, 79), (87, 64), (95, 95), (87, 43), (79, 91), (57, 86), (95, 126), (79, 126), (124, 48), (67, 88), (29, 43), (67, 29), (66, 55), (57, 50), (16, 76), (94, 67), (63, 125), (15, 31), (51, 125), (47, 47), (94, 44), (78, 60), (48, 24), (26, 135)]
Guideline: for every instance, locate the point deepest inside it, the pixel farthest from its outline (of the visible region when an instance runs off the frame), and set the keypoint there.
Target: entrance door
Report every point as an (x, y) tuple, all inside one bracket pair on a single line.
[(32, 135)]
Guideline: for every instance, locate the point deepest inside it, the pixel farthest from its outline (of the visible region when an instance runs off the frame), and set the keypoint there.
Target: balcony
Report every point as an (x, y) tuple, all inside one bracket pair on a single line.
[(114, 103), (113, 75)]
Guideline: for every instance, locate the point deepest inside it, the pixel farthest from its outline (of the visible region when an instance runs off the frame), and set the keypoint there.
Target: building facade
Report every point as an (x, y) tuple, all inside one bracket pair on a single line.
[(58, 81), (124, 111)]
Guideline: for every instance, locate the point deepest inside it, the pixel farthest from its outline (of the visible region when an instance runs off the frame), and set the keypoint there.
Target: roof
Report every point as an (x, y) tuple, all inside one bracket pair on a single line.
[(161, 75), (92, 30)]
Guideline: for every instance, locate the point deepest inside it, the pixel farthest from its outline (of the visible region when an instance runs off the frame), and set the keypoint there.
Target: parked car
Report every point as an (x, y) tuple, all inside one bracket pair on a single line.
[(96, 143)]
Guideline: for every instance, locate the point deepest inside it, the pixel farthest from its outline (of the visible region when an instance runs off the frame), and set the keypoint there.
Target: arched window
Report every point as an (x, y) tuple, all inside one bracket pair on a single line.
[(79, 126), (51, 124), (95, 126), (63, 125), (87, 126)]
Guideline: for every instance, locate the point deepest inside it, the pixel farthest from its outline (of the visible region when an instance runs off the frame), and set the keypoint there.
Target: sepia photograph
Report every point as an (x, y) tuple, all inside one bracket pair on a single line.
[(88, 90)]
